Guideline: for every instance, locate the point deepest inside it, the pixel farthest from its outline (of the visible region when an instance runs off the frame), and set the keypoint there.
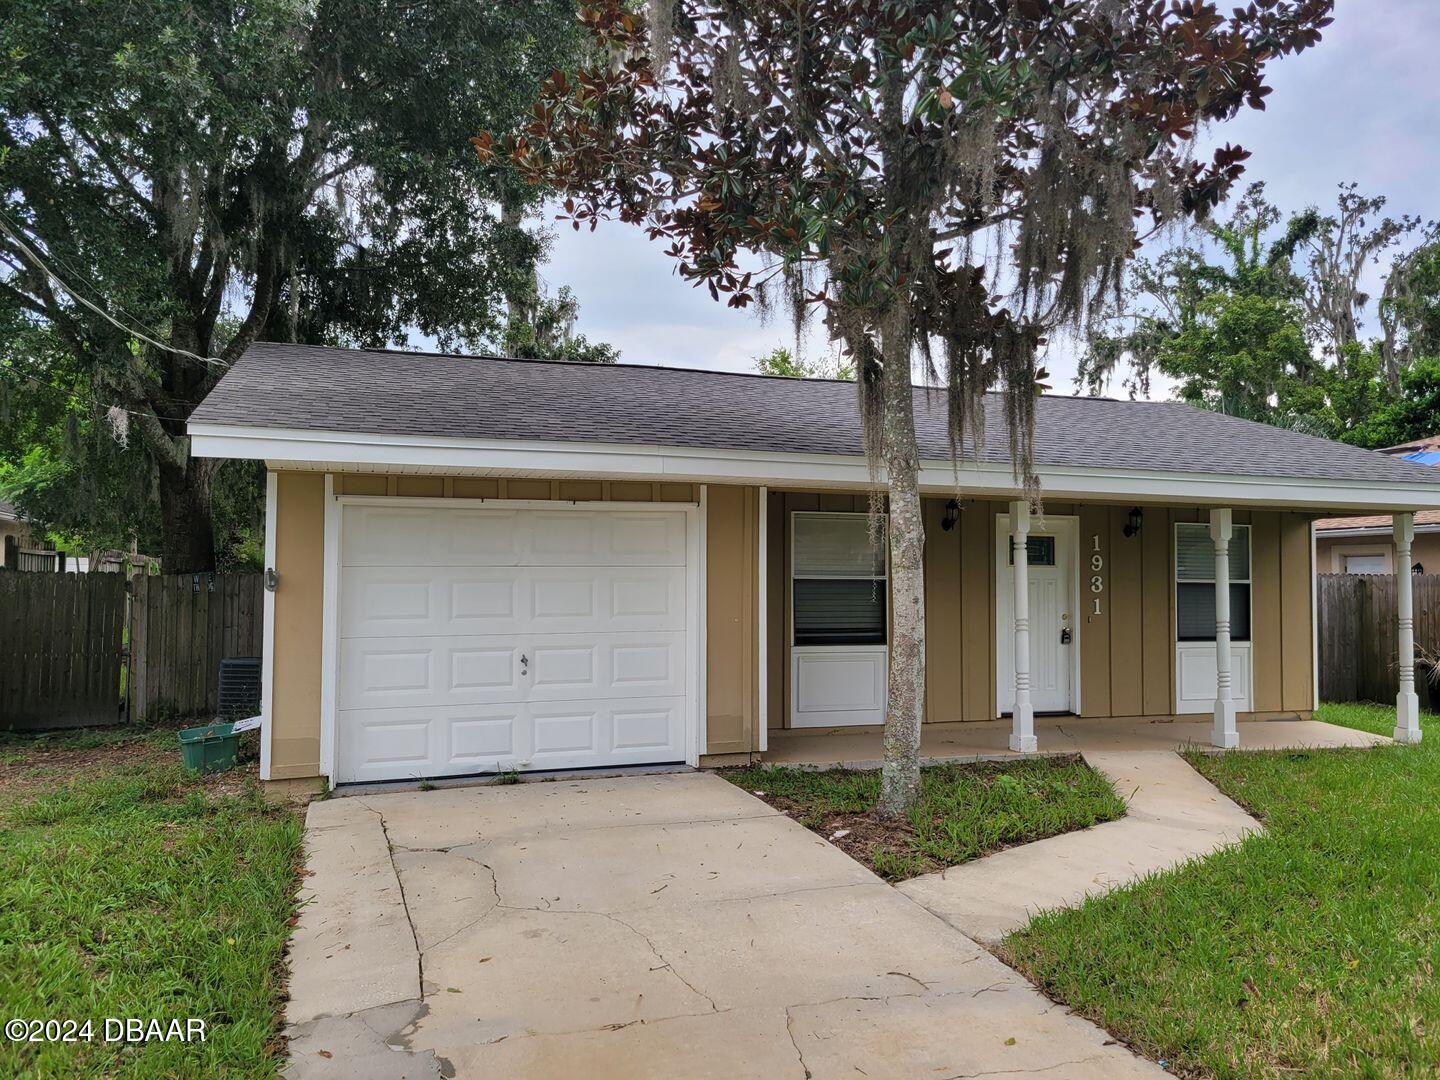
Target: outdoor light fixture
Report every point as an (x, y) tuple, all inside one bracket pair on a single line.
[(272, 579), (1136, 519), (952, 515)]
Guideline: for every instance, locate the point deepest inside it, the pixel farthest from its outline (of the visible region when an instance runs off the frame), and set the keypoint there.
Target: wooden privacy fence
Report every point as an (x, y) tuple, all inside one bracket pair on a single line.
[(184, 625), (61, 649), (1359, 637), (63, 645)]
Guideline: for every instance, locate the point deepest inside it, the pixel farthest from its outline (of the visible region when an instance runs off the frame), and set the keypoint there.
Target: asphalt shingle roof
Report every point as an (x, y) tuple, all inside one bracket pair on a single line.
[(365, 391)]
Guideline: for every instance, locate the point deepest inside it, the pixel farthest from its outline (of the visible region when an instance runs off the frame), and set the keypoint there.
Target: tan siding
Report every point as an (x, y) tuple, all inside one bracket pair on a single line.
[(675, 493), (944, 658), (528, 489), (300, 562), (420, 487), (1297, 687), (1095, 629), (361, 484), (1158, 651), (1127, 684), (977, 599), (731, 623), (582, 490), (475, 487), (629, 491), (1266, 617)]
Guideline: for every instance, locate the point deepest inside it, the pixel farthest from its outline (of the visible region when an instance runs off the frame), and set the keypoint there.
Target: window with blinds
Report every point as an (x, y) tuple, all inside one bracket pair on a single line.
[(1195, 583), (838, 580)]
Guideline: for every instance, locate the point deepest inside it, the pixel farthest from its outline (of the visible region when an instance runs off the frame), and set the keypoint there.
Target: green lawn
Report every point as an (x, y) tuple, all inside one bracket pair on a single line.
[(1309, 951), (965, 811), (129, 888)]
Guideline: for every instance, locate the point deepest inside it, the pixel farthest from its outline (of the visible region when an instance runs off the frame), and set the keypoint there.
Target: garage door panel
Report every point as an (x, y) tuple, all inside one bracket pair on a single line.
[(437, 671), (599, 538), (431, 536)]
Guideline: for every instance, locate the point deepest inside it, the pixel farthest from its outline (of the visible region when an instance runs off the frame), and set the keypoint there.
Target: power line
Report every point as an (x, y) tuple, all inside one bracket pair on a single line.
[(40, 264)]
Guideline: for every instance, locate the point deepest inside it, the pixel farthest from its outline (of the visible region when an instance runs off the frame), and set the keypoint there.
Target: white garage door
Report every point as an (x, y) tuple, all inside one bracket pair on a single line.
[(482, 640)]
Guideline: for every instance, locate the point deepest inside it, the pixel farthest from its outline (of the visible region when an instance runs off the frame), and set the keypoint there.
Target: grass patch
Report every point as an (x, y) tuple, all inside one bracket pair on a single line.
[(964, 811), (130, 888), (1307, 951)]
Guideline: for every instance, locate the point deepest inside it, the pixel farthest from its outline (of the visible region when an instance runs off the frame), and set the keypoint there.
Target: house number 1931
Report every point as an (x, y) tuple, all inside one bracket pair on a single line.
[(1097, 581)]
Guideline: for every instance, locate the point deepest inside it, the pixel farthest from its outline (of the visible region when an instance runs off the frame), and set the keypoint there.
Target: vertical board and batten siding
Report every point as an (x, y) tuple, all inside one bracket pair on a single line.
[(1359, 637), (63, 638), (183, 626), (732, 620), (1127, 657)]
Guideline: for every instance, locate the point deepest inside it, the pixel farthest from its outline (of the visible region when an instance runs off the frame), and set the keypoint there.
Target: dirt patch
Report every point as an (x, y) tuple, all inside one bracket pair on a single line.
[(884, 845), (27, 767)]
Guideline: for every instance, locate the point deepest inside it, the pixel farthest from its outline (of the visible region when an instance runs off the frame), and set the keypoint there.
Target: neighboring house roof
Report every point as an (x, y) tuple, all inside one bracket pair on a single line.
[(387, 393), (7, 512), (1418, 446), (1375, 523)]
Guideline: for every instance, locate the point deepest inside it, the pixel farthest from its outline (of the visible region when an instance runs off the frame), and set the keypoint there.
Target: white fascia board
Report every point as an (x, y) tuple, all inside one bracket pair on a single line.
[(336, 450)]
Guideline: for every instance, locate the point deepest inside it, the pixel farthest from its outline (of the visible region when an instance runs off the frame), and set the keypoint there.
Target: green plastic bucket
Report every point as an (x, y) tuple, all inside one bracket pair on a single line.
[(211, 748)]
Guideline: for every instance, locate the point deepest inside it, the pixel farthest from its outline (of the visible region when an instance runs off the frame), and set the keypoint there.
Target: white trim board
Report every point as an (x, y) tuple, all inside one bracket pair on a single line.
[(267, 630), (342, 451)]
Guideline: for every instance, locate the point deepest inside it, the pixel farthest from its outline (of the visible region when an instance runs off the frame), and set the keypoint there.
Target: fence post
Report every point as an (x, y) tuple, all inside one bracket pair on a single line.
[(139, 638)]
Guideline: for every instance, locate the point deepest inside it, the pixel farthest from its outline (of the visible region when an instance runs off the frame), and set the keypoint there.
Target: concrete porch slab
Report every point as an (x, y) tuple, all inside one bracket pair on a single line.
[(987, 740)]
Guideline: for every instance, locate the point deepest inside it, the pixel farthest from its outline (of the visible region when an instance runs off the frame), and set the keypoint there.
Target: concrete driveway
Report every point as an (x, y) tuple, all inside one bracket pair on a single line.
[(650, 926)]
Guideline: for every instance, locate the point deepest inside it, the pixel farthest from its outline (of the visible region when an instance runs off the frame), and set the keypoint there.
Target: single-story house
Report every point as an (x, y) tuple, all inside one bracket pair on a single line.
[(479, 565)]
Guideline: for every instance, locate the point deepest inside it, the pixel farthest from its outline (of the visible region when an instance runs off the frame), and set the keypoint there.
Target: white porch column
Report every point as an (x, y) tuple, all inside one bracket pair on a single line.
[(1407, 703), (1022, 731), (1224, 733)]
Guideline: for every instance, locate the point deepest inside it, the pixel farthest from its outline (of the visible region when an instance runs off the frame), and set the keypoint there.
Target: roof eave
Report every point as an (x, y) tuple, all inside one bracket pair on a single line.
[(350, 451)]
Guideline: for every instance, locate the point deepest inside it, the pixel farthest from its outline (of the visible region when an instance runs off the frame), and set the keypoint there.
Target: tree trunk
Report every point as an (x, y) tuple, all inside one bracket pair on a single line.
[(900, 776), (188, 545)]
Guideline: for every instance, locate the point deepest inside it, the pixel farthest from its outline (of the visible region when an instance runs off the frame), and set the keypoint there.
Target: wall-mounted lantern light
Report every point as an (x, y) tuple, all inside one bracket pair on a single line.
[(1133, 523), (272, 579), (952, 515)]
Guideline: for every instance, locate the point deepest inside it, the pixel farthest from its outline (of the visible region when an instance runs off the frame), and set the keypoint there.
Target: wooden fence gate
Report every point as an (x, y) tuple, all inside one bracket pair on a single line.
[(61, 649), (63, 641), (184, 625), (1359, 638)]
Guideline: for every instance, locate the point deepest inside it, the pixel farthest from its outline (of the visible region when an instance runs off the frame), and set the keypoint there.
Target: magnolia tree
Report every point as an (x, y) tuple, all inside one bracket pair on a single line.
[(948, 183)]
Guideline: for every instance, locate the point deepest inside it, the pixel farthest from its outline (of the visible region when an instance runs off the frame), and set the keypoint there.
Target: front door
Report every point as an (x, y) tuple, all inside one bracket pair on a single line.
[(1053, 624)]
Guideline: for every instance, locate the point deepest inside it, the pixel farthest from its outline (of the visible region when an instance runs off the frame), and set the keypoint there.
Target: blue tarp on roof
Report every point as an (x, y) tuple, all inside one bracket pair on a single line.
[(1423, 457)]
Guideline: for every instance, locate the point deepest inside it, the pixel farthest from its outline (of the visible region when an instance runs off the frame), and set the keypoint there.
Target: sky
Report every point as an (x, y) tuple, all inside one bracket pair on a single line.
[(1363, 105)]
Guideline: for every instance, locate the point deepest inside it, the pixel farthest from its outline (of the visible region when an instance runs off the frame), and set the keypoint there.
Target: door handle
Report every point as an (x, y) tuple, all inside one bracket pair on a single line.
[(524, 664), (1065, 635)]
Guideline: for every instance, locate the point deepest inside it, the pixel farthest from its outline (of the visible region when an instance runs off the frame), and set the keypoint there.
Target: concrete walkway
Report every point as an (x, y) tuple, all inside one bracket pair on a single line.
[(658, 926), (1174, 814)]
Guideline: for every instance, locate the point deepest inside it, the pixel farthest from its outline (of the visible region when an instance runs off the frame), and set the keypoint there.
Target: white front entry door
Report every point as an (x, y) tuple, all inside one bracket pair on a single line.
[(476, 640), (1054, 643)]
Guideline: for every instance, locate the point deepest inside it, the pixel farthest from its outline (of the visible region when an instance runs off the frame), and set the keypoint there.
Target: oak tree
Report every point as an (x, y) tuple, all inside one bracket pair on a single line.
[(948, 183), (217, 172)]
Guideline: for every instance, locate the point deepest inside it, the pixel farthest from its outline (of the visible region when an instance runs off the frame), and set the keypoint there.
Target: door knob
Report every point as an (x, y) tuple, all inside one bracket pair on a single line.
[(1065, 636)]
